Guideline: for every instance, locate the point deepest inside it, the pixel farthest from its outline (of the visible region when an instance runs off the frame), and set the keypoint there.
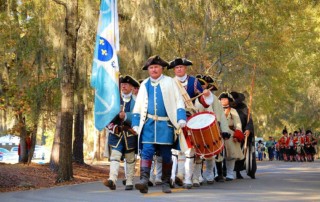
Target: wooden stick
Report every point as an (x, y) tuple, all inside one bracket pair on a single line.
[(200, 94)]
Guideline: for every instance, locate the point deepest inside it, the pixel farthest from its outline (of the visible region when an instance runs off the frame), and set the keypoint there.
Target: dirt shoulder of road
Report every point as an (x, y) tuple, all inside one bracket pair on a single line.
[(17, 177)]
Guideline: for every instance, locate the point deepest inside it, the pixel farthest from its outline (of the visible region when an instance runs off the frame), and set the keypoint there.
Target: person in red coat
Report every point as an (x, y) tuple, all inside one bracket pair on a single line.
[(290, 151), (282, 144)]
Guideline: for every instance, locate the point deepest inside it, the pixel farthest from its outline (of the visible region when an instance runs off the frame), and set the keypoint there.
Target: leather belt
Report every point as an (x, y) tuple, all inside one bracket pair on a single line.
[(158, 118)]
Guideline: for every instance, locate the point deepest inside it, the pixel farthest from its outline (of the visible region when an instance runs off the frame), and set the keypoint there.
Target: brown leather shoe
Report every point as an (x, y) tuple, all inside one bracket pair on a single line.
[(110, 184), (142, 187)]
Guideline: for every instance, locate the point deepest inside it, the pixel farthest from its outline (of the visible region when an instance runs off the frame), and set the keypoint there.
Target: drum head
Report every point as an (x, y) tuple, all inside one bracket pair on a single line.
[(201, 120)]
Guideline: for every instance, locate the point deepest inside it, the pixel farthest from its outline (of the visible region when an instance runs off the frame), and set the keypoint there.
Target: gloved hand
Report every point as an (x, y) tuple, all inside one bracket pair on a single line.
[(225, 135), (182, 123)]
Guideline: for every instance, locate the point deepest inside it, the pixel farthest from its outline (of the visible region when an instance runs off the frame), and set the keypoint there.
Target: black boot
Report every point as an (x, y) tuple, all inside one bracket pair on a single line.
[(239, 176), (166, 176), (219, 178), (145, 167)]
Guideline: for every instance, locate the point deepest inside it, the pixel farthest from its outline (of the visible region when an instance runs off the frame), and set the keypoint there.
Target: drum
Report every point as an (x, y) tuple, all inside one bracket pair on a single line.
[(203, 132)]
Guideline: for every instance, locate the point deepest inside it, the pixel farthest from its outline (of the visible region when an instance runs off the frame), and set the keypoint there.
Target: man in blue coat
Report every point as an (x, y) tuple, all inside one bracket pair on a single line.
[(159, 110), (122, 138)]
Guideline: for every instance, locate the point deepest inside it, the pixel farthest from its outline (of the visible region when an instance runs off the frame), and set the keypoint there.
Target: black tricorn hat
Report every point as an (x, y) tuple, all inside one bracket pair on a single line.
[(155, 60), (131, 80), (226, 95), (202, 81), (211, 82), (179, 61), (208, 79), (199, 76), (238, 97)]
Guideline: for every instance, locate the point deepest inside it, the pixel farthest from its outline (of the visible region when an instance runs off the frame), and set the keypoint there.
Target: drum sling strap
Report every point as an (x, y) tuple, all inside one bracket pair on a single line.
[(186, 98)]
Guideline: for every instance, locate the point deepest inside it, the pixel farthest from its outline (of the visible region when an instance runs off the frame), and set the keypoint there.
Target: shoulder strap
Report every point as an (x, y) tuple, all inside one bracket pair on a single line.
[(186, 98)]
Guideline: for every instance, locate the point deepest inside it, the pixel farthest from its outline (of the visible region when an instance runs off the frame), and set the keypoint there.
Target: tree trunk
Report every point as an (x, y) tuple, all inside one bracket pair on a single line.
[(65, 172), (96, 146), (23, 135), (78, 135), (54, 159), (33, 143)]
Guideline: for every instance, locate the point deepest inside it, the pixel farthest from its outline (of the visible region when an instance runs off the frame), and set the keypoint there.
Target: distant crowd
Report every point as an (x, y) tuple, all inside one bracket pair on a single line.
[(298, 146)]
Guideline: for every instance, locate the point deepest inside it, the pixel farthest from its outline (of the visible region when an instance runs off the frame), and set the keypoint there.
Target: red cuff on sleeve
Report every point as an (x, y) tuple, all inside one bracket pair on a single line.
[(203, 102)]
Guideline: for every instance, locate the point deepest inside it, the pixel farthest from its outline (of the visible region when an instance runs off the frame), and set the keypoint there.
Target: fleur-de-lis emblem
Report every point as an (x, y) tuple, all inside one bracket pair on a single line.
[(104, 52)]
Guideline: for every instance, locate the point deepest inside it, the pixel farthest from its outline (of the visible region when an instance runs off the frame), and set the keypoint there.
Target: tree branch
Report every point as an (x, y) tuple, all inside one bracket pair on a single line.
[(78, 25), (64, 4)]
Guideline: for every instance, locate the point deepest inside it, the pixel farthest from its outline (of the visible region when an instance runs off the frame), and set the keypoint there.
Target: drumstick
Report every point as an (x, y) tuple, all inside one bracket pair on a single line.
[(200, 94)]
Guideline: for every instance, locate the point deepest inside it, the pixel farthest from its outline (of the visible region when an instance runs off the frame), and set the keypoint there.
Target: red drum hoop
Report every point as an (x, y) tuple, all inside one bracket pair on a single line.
[(204, 134)]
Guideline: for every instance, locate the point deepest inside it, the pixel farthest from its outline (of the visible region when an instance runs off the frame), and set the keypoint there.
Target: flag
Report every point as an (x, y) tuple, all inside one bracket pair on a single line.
[(105, 68)]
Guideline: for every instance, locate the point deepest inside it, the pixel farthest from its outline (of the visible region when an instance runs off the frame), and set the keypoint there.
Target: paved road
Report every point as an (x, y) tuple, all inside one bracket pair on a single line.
[(276, 181)]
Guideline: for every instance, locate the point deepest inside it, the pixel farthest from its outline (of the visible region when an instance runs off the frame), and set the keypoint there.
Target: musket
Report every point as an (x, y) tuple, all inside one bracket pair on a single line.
[(249, 108)]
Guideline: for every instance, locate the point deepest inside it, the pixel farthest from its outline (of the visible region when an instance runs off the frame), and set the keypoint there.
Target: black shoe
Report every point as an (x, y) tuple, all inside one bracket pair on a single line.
[(143, 188), (110, 184), (239, 176), (229, 179), (129, 187), (219, 179), (252, 176), (166, 188), (150, 184), (210, 182), (178, 181)]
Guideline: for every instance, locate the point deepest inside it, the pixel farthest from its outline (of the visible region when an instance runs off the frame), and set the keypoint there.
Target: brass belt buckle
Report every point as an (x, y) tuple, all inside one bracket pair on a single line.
[(155, 117)]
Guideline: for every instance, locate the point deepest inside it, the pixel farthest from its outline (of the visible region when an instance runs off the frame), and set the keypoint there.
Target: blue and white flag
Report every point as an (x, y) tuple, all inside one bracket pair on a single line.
[(105, 68)]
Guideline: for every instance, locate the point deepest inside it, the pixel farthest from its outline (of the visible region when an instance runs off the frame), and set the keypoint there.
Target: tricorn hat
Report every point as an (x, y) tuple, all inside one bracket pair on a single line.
[(226, 95), (131, 80), (202, 82), (212, 83), (179, 61), (199, 76), (155, 60)]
